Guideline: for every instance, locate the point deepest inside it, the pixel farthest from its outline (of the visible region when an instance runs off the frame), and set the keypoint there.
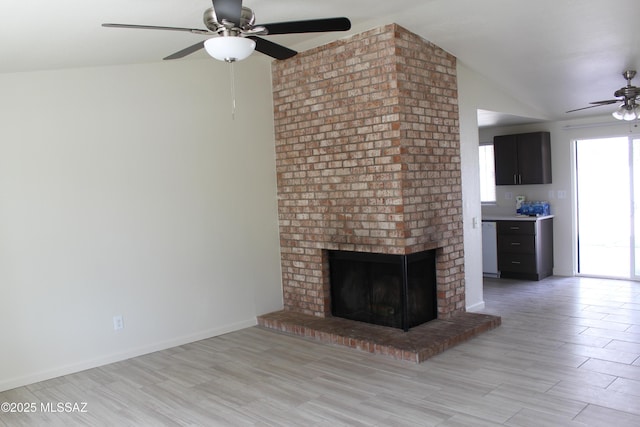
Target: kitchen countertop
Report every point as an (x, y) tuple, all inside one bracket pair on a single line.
[(515, 217)]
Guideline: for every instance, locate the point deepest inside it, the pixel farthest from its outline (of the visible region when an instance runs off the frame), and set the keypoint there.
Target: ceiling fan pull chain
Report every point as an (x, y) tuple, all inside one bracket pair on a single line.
[(233, 92)]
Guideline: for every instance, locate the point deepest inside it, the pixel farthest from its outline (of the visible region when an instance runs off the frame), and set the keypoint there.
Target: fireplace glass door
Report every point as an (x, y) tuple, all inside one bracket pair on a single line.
[(389, 290)]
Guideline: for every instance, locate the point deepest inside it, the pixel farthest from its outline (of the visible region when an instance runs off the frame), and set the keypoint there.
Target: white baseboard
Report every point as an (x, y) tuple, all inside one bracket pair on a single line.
[(476, 307)]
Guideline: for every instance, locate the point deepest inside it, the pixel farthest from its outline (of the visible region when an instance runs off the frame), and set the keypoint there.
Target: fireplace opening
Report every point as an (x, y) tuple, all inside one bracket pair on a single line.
[(389, 290)]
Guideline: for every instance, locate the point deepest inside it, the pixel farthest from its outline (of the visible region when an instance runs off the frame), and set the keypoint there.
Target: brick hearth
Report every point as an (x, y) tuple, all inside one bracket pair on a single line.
[(368, 160), (416, 345)]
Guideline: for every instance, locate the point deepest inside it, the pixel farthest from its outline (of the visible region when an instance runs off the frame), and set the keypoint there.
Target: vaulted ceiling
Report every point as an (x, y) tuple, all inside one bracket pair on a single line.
[(553, 55)]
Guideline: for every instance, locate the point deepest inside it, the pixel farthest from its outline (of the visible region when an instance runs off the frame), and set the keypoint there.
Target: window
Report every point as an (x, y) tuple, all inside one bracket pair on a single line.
[(487, 174)]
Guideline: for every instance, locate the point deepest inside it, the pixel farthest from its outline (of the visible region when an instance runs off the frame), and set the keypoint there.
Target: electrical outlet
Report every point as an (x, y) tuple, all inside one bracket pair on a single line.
[(508, 195), (118, 323), (562, 194)]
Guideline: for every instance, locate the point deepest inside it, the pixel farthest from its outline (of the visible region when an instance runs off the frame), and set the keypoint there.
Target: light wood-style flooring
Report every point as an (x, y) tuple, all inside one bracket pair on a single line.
[(567, 354)]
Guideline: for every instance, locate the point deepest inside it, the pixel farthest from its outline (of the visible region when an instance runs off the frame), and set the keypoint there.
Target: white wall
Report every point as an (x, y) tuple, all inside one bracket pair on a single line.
[(476, 92), (131, 190)]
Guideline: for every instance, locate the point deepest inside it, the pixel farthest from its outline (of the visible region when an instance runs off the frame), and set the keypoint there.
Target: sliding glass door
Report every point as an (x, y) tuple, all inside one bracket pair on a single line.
[(608, 178)]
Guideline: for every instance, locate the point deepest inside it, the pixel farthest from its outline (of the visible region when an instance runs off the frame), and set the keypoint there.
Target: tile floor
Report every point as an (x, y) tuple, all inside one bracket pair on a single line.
[(567, 354)]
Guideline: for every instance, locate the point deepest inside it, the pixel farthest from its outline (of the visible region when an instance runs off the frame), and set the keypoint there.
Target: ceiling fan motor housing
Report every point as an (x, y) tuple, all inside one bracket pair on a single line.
[(247, 19), (629, 92)]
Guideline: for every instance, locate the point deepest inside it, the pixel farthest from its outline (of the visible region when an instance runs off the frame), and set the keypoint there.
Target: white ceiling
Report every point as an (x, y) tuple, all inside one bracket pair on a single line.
[(554, 55)]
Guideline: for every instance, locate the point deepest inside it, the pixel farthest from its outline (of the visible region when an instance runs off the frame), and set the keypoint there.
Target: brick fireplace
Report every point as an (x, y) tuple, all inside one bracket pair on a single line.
[(367, 159)]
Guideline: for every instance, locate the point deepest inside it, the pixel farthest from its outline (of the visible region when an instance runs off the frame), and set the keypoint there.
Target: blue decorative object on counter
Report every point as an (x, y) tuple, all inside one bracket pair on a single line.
[(535, 209)]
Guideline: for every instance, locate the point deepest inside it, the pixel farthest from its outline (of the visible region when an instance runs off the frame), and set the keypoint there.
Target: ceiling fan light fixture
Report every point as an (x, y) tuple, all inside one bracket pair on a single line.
[(619, 113), (627, 112), (229, 48), (632, 113)]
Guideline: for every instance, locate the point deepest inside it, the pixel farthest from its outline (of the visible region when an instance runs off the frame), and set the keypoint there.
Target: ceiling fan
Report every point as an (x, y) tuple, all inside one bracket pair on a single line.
[(628, 95), (235, 34)]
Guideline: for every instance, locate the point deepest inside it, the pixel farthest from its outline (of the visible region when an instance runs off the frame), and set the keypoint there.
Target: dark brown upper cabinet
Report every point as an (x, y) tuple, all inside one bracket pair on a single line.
[(523, 158)]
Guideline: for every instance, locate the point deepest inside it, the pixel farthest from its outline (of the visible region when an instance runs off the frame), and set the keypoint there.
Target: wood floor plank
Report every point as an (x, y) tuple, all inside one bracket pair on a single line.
[(612, 368), (597, 396), (611, 355), (540, 402), (627, 386), (532, 418), (599, 416)]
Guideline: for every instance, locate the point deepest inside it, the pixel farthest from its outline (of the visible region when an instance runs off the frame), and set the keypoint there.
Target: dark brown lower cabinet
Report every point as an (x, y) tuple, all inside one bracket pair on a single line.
[(525, 249)]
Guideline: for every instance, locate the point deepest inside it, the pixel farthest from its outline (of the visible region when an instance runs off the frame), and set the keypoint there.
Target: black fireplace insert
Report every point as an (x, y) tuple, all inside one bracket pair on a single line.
[(388, 290)]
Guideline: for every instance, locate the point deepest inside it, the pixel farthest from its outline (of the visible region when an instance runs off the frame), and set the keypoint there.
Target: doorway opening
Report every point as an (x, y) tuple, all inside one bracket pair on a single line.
[(607, 180)]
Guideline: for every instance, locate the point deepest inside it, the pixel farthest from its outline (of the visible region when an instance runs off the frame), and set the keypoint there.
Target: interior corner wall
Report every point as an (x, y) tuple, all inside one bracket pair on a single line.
[(133, 191), (470, 170), (476, 92)]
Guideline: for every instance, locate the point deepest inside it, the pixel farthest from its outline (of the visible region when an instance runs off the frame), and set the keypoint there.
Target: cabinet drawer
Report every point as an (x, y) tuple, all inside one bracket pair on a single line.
[(520, 263), (516, 227), (517, 243)]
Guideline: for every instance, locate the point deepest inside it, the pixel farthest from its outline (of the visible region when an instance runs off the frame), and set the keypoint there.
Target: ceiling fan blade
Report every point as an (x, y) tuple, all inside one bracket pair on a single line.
[(228, 10), (596, 104), (584, 108), (186, 51), (310, 26), (608, 101), (154, 27), (272, 49)]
